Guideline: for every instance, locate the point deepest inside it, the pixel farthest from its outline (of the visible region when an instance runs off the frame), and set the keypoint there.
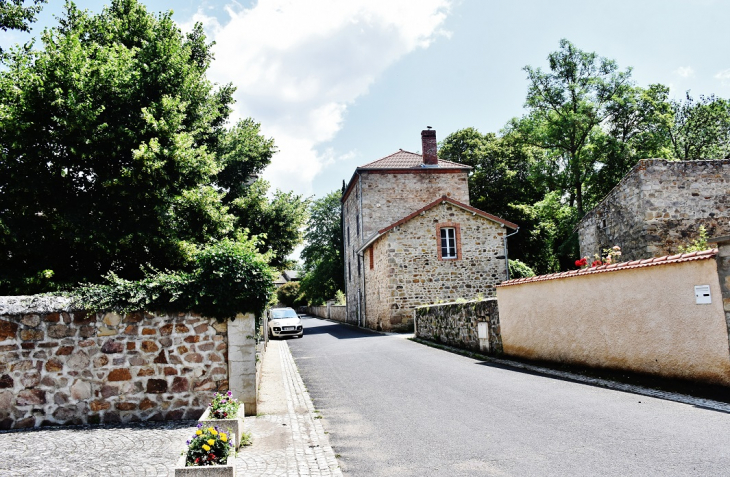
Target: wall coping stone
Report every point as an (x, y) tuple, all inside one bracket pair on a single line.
[(456, 303), (28, 304)]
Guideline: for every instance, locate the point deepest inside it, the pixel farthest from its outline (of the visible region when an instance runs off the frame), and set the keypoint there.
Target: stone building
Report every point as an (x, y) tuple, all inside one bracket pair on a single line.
[(658, 206), (411, 238)]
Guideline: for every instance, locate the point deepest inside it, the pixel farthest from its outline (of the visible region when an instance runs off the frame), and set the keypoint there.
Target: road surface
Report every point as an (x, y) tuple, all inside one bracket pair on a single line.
[(394, 407)]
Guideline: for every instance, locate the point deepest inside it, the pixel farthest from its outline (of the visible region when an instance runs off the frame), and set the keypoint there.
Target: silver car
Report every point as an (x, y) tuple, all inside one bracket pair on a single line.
[(284, 322)]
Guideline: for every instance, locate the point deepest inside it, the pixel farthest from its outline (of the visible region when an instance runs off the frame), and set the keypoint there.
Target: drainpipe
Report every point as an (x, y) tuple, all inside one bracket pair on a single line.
[(344, 251), (506, 258), (360, 266)]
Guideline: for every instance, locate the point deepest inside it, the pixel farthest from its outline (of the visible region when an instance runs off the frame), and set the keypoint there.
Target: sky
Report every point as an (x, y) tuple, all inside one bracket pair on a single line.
[(339, 84)]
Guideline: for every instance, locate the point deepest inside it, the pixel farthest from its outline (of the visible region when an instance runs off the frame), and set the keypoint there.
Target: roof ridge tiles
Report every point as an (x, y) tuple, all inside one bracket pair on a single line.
[(613, 267)]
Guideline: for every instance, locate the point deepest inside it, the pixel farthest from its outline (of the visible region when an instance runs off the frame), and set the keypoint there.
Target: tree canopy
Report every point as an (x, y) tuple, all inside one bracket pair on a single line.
[(117, 154), (587, 124), (323, 253), (14, 15)]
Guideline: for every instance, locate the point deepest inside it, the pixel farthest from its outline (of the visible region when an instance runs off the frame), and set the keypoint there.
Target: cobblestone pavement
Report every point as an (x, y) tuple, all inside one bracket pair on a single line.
[(288, 435), (288, 438), (142, 449)]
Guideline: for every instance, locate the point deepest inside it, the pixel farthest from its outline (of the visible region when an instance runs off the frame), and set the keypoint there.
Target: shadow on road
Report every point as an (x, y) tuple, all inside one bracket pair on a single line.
[(686, 388), (317, 326)]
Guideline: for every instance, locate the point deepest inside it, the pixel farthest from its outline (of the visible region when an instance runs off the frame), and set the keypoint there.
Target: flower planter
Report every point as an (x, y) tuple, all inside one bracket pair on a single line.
[(234, 427), (228, 470)]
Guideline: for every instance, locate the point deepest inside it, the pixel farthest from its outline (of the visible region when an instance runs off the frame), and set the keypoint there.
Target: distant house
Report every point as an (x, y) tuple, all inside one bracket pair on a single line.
[(285, 277), (658, 206), (411, 238)]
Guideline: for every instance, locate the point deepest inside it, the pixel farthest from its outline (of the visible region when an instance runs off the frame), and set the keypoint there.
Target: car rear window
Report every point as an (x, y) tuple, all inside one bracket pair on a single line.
[(283, 313)]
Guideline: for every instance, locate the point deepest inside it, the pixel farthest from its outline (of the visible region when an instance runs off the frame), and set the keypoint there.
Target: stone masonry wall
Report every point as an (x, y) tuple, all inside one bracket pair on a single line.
[(723, 272), (659, 206), (408, 272), (61, 366), (457, 324), (387, 198)]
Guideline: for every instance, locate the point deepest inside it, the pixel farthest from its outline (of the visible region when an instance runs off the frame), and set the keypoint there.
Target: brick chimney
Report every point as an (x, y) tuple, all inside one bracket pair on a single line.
[(428, 139)]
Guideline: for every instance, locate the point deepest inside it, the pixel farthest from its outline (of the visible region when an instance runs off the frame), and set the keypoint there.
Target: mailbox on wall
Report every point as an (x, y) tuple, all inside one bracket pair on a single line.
[(702, 294)]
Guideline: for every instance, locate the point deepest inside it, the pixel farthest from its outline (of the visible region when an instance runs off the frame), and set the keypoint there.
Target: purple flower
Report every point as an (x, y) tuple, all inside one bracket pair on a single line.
[(200, 424), (187, 443), (230, 393)]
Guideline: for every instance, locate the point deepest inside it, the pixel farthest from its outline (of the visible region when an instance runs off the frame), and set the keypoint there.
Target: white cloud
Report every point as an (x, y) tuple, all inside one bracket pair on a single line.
[(685, 71), (299, 64), (724, 77)]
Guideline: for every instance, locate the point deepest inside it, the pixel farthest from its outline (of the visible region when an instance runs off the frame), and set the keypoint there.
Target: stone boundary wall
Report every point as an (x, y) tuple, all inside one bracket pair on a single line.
[(60, 366), (320, 311), (331, 312), (658, 206), (457, 324)]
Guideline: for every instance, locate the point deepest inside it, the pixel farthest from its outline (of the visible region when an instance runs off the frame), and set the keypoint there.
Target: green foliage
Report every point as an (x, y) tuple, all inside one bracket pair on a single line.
[(323, 253), (550, 243), (566, 105), (229, 277), (116, 156), (15, 16), (289, 294), (701, 128), (697, 245), (340, 298), (518, 269), (277, 222)]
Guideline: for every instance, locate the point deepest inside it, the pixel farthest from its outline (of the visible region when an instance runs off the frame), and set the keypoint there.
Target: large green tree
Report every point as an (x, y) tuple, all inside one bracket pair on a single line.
[(15, 15), (565, 106), (700, 129), (116, 151), (277, 221), (323, 253)]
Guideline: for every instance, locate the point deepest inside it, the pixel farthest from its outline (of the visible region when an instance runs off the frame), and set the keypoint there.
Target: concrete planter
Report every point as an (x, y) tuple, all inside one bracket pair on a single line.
[(228, 470), (234, 427)]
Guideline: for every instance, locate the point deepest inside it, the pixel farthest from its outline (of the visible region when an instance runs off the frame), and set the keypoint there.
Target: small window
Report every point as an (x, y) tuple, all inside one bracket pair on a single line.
[(348, 235), (448, 243)]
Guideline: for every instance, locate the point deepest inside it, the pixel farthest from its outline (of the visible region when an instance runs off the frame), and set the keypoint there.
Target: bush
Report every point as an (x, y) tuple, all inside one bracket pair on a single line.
[(518, 269), (229, 277), (289, 295)]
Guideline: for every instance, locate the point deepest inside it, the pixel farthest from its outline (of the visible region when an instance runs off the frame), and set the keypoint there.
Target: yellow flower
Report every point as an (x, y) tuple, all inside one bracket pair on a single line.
[(211, 442), (213, 431), (206, 448), (198, 432), (224, 437)]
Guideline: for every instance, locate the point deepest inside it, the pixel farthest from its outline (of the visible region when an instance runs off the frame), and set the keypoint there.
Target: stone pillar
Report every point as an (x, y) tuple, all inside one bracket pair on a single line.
[(723, 271), (242, 361)]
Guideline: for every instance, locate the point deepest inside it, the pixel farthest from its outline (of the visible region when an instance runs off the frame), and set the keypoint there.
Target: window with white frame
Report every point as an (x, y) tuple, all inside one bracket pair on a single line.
[(448, 243)]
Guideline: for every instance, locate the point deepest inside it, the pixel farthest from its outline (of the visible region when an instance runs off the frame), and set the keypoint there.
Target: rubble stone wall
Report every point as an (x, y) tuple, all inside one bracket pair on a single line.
[(63, 366), (457, 324), (659, 206)]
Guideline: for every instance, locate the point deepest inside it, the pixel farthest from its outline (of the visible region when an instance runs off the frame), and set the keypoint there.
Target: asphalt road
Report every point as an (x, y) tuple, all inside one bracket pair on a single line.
[(394, 407)]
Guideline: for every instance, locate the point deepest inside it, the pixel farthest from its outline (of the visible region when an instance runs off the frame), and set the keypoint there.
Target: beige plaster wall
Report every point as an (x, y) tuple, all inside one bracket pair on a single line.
[(642, 320)]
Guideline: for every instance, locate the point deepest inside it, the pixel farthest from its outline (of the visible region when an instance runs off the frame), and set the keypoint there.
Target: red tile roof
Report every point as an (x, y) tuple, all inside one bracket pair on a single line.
[(615, 267), (408, 160)]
